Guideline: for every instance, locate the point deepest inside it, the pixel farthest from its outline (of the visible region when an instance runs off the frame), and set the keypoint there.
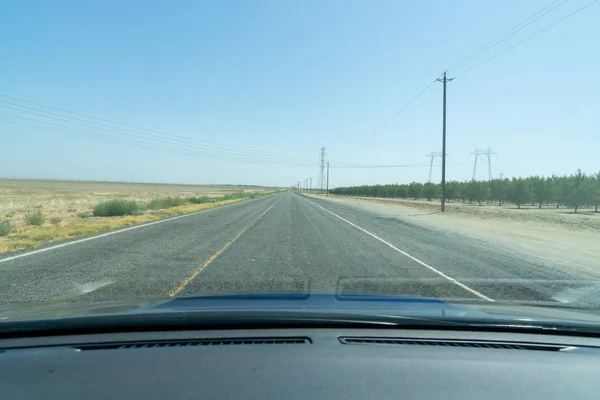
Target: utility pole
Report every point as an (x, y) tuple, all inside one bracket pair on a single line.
[(310, 186), (432, 155), (489, 164), (444, 80), (322, 157), (327, 178)]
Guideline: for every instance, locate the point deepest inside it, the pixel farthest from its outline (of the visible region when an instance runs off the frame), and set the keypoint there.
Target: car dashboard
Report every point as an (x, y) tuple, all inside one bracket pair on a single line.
[(301, 364)]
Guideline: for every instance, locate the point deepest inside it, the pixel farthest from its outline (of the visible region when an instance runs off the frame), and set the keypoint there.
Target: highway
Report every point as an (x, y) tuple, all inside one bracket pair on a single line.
[(285, 242)]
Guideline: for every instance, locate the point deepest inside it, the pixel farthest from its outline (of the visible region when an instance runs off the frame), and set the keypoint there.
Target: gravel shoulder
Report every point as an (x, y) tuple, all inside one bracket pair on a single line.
[(558, 240)]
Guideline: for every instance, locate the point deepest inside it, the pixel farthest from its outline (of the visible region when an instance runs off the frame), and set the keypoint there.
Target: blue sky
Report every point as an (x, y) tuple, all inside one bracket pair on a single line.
[(287, 77)]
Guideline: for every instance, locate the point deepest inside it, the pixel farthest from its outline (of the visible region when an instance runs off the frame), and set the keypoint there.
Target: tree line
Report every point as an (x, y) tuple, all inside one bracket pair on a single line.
[(574, 191)]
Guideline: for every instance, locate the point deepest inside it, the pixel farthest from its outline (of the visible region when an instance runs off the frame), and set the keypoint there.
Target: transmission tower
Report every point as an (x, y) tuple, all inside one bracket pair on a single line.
[(323, 167), (480, 153), (432, 156)]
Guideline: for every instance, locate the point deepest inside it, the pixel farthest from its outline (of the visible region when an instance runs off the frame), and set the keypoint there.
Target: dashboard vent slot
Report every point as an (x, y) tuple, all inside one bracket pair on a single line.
[(452, 343), (192, 343)]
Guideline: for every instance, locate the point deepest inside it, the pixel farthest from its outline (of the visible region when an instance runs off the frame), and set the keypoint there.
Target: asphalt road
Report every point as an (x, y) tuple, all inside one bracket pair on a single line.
[(283, 243)]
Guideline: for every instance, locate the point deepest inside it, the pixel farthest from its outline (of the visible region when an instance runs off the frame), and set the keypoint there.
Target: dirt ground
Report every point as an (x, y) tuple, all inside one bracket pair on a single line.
[(557, 237), (584, 219), (66, 199)]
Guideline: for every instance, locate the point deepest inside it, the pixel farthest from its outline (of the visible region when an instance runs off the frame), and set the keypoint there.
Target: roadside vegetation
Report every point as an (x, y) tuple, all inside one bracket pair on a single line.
[(119, 207), (165, 202), (105, 216), (116, 207), (5, 227), (574, 191), (35, 218)]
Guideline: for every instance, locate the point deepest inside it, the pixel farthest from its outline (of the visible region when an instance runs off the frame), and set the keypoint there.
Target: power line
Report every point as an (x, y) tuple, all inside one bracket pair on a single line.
[(386, 123), (128, 133), (515, 29), (426, 99), (528, 37), (381, 166), (161, 140), (68, 131), (136, 129), (142, 136), (138, 144), (145, 137), (471, 56)]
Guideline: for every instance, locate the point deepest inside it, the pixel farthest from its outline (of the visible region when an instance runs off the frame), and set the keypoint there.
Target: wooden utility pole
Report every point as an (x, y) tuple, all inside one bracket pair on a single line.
[(327, 178), (444, 80)]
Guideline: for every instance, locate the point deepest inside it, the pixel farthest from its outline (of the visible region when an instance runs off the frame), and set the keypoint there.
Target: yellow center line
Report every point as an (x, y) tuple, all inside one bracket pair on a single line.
[(210, 259)]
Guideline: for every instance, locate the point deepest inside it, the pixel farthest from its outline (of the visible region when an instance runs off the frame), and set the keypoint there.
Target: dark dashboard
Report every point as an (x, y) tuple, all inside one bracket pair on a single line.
[(301, 364)]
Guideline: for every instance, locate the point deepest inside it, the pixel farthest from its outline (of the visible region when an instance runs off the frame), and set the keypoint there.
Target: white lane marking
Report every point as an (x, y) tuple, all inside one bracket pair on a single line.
[(440, 273), (30, 253)]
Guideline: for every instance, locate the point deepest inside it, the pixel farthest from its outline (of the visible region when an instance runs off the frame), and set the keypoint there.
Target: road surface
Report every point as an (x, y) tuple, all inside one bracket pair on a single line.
[(285, 242)]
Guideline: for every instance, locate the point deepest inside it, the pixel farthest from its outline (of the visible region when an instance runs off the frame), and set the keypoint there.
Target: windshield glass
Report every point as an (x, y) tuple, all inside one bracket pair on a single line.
[(429, 150)]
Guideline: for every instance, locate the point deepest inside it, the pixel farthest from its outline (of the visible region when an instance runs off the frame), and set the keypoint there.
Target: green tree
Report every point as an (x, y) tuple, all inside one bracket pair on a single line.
[(542, 190), (451, 190), (469, 191), (519, 193), (558, 184), (575, 191), (498, 189), (401, 191), (476, 191), (415, 190), (463, 191), (595, 183), (480, 191), (430, 190)]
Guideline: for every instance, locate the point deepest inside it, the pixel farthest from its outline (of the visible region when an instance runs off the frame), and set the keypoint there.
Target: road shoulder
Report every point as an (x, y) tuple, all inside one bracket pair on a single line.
[(551, 244)]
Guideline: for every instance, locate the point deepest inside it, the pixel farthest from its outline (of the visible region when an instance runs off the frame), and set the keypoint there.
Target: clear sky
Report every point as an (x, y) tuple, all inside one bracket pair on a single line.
[(287, 77)]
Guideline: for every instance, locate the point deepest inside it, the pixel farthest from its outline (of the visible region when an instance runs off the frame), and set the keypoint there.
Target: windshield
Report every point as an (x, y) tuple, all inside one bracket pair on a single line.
[(429, 150)]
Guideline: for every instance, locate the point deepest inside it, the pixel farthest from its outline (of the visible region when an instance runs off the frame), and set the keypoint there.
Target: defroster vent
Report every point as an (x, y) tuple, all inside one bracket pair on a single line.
[(452, 343), (192, 343)]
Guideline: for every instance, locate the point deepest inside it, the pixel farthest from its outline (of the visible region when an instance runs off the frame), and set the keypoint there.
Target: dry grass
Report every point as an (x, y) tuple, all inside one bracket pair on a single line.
[(64, 202)]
